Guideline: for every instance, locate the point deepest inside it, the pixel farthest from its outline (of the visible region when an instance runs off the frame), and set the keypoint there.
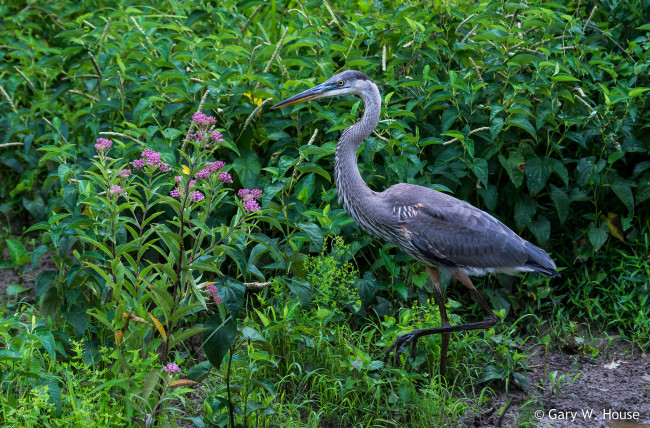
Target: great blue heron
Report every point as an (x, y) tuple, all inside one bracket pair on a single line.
[(442, 232)]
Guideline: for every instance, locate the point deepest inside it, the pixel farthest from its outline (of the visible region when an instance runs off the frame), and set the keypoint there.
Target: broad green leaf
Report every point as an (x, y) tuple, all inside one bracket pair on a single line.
[(597, 235), (538, 171), (314, 232), (525, 209), (623, 190), (522, 122), (218, 338), (561, 201), (300, 288), (232, 295)]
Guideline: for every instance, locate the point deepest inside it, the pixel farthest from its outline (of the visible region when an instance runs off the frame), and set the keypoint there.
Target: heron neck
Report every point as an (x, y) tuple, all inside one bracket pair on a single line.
[(349, 183)]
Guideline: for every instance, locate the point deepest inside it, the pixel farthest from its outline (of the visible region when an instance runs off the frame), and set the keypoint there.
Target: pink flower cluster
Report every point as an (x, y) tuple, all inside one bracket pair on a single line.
[(196, 196), (206, 136), (203, 120), (211, 290), (124, 173), (225, 177), (210, 168), (250, 199), (180, 190), (171, 368), (102, 145), (116, 190), (151, 158)]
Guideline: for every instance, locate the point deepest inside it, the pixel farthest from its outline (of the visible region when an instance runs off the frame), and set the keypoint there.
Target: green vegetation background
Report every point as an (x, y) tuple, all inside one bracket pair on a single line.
[(537, 113)]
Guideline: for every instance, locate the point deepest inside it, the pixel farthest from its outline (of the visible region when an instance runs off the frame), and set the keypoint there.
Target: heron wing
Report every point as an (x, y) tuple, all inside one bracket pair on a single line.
[(466, 240), (455, 233)]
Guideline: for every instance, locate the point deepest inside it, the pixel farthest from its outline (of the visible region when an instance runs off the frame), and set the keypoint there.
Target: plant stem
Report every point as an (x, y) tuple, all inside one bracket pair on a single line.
[(231, 409)]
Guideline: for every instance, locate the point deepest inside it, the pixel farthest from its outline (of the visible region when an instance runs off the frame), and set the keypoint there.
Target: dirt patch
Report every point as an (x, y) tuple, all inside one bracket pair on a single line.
[(612, 391), (11, 276)]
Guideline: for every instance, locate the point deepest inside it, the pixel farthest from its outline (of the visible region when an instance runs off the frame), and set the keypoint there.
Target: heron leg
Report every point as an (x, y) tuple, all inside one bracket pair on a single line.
[(435, 278), (410, 338)]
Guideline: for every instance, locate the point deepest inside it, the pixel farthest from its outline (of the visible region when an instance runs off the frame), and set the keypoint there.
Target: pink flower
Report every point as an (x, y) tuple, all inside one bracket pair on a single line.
[(124, 173), (203, 120), (251, 205), (192, 183), (246, 194), (175, 193), (196, 196), (216, 137), (116, 190), (102, 145), (211, 290), (139, 163), (215, 166), (163, 167), (203, 174), (151, 157), (225, 177), (178, 179), (171, 368)]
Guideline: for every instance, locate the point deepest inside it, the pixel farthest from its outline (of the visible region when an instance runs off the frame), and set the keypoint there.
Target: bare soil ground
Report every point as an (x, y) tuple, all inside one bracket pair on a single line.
[(611, 391), (8, 277)]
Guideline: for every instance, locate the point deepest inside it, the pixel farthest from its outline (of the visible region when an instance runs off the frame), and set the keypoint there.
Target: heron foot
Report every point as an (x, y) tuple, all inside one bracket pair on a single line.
[(401, 343)]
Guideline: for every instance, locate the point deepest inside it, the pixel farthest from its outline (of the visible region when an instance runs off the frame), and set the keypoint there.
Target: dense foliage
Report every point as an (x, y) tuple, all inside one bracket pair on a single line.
[(538, 113)]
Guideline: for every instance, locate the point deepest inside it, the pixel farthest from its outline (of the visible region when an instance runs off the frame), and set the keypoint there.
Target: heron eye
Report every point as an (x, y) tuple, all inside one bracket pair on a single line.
[(341, 83)]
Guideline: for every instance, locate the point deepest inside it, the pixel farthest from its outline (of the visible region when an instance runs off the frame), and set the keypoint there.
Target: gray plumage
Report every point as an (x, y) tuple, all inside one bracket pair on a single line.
[(437, 229)]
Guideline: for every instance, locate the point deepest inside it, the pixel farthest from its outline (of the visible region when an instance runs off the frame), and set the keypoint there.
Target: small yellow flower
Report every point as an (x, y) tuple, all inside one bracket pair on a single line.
[(185, 169), (257, 101)]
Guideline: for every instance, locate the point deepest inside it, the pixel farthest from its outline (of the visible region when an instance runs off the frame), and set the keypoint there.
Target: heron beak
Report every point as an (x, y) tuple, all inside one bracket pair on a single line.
[(316, 92)]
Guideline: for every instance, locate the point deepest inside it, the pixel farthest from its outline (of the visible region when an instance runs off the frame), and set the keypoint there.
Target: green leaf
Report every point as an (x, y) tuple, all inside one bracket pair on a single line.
[(54, 393), (38, 253), (541, 228), (638, 91), (521, 380), (150, 382), (525, 209), (43, 287), (218, 338), (520, 121), (514, 166), (9, 355), (597, 235), (623, 190), (525, 58), (563, 77), (538, 171), (300, 288), (47, 341), (76, 316), (561, 201), (199, 371), (232, 295), (480, 168), (314, 233), (367, 288), (180, 336), (17, 252), (247, 166), (491, 372)]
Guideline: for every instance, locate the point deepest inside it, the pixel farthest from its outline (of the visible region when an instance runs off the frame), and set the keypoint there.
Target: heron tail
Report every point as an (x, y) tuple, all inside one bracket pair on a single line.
[(539, 261)]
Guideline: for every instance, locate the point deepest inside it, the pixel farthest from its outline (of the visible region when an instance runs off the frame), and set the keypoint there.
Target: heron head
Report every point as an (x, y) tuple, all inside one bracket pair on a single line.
[(349, 82)]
